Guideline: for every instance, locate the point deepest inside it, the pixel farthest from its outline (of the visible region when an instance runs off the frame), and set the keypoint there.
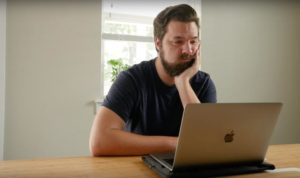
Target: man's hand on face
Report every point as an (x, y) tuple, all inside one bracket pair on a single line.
[(186, 75)]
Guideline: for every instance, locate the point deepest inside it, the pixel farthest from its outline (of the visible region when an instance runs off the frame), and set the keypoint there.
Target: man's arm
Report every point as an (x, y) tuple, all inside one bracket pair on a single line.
[(108, 137), (182, 82)]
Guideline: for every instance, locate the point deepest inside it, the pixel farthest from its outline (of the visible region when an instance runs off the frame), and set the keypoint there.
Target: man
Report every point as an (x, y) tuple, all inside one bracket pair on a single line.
[(142, 112)]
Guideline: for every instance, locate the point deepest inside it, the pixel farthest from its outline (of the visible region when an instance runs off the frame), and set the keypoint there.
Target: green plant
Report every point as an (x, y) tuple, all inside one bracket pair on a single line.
[(117, 66)]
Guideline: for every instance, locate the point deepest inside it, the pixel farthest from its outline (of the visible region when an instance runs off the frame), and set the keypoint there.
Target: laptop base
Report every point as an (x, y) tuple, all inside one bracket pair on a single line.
[(205, 172)]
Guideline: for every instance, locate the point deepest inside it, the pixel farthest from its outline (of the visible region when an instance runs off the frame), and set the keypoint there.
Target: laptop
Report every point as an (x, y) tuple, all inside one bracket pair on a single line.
[(219, 140)]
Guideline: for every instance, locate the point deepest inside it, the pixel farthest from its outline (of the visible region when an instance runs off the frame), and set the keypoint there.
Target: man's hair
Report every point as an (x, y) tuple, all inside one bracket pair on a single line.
[(181, 13)]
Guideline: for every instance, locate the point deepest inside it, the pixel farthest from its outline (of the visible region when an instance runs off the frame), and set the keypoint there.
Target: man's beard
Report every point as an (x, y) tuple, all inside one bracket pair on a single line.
[(176, 69)]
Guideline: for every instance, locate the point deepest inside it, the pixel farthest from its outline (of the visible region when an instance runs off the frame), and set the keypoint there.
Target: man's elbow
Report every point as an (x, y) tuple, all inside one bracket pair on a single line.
[(97, 150), (94, 151), (102, 149)]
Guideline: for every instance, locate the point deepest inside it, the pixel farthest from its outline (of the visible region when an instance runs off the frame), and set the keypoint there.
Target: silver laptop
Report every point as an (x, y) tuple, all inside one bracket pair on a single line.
[(222, 134)]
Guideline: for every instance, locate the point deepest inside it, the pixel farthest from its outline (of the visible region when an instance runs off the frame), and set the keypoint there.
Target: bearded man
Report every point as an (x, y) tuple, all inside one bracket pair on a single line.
[(142, 112)]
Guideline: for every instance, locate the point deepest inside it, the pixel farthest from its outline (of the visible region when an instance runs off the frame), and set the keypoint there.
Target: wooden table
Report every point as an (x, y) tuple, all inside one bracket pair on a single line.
[(282, 156)]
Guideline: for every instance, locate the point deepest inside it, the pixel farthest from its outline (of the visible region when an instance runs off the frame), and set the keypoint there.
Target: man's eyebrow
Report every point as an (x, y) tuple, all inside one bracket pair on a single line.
[(180, 37)]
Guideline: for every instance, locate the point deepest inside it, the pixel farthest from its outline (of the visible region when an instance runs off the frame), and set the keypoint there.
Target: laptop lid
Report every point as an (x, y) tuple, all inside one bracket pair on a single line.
[(225, 133)]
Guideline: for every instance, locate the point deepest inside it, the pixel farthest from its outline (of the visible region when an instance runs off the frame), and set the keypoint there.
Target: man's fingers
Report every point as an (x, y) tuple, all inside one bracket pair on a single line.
[(198, 58)]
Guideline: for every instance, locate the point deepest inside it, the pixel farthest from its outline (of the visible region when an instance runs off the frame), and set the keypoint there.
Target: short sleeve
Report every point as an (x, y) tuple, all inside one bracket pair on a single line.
[(209, 94), (122, 95)]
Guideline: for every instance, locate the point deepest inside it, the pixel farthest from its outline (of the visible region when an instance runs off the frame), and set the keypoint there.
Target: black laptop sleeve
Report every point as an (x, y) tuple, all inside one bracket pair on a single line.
[(205, 172)]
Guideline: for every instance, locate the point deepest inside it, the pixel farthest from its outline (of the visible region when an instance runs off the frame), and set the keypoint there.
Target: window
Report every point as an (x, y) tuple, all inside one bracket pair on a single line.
[(127, 32)]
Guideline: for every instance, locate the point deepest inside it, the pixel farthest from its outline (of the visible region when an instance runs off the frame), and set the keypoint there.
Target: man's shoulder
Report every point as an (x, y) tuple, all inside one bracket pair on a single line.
[(142, 66), (201, 75), (141, 69), (138, 73)]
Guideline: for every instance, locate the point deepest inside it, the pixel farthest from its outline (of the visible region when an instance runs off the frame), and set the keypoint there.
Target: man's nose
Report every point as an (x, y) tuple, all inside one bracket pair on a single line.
[(187, 48)]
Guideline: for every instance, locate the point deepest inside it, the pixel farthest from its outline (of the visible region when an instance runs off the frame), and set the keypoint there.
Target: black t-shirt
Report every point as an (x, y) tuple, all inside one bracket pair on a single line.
[(147, 105)]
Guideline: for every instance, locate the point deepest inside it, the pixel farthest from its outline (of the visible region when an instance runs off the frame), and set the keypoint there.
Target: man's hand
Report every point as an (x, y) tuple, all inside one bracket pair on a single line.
[(182, 82), (191, 71)]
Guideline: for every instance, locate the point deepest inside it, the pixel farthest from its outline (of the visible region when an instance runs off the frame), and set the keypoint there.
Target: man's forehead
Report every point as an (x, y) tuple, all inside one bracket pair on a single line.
[(182, 29)]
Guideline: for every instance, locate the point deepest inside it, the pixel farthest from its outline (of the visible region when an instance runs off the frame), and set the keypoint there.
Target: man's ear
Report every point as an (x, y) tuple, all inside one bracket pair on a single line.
[(157, 42)]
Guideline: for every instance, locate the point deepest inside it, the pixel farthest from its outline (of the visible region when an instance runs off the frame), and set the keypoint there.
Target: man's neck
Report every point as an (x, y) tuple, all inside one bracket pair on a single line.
[(163, 75)]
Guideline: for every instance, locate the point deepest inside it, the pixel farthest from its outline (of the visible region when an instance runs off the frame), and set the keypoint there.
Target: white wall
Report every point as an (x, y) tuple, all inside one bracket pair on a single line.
[(251, 50), (2, 72), (53, 74), (53, 67)]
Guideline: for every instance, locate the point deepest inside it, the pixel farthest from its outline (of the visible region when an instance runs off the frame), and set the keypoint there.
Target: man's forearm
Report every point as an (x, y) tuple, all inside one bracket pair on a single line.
[(186, 93), (119, 142)]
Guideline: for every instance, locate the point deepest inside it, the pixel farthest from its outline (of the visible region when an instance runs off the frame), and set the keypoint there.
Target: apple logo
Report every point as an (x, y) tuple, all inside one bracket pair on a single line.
[(229, 137)]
